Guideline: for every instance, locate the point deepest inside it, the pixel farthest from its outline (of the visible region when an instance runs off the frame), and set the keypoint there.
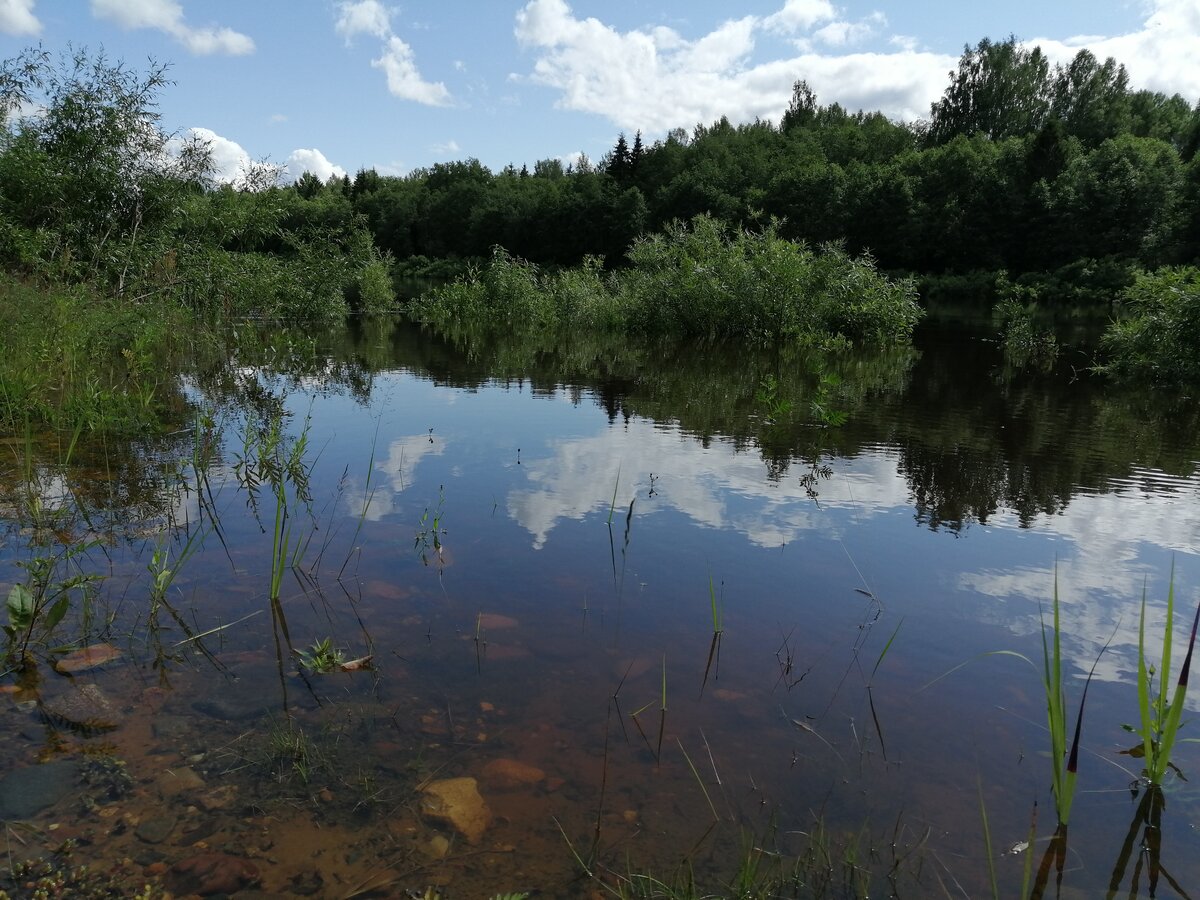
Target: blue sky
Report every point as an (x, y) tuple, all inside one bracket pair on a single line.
[(337, 86)]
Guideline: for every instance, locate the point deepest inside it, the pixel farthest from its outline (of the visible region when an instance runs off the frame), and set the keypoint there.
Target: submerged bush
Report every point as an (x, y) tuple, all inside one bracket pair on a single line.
[(702, 278), (699, 278), (1158, 335)]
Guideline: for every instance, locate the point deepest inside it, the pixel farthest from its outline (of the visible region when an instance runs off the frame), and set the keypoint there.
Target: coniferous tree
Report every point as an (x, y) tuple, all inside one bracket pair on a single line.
[(618, 164)]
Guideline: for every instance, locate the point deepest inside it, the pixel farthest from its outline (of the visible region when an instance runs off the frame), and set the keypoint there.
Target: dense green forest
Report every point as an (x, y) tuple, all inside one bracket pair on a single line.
[(1054, 186), (1019, 167)]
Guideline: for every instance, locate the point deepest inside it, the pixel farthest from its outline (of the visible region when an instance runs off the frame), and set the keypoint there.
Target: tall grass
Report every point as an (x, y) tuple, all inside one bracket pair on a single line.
[(1160, 718), (74, 358), (270, 458)]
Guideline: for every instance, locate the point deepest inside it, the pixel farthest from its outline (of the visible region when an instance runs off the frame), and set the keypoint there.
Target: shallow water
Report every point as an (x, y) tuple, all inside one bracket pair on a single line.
[(528, 542)]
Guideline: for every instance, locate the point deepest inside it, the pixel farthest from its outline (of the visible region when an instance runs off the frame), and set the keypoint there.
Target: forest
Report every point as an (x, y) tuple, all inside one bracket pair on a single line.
[(1043, 186), (1021, 167)]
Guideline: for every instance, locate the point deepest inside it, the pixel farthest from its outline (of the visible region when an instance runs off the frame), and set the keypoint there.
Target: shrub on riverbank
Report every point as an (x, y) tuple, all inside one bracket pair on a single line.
[(1158, 332), (698, 278)]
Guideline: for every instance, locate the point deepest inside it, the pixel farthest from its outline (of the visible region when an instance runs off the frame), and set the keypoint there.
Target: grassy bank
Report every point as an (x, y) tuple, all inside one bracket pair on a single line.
[(77, 358)]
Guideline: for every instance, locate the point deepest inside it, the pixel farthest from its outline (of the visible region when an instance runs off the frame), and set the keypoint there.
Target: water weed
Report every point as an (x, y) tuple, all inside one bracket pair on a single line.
[(430, 530), (321, 657)]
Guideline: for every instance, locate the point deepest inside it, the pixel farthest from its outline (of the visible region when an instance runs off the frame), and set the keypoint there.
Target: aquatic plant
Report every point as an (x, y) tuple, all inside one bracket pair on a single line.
[(430, 531), (1064, 760), (57, 874), (38, 606), (1064, 769), (714, 648), (767, 397), (1160, 719), (322, 657), (269, 457), (1025, 343), (105, 775)]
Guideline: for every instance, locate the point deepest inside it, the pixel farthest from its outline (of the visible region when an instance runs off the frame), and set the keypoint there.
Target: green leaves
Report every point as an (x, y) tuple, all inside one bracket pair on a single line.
[(20, 611), (1156, 337), (24, 612)]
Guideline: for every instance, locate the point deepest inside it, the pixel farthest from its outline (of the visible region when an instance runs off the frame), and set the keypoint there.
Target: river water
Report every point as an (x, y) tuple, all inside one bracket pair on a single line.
[(665, 606)]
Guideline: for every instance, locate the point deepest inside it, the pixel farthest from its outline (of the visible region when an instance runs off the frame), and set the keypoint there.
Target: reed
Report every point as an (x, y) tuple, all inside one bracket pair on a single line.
[(987, 842), (1064, 765), (1160, 718), (714, 648), (269, 458), (1064, 759), (613, 505)]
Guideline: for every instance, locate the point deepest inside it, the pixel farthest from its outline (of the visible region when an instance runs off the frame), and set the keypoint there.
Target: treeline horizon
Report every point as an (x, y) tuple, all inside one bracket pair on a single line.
[(1021, 167)]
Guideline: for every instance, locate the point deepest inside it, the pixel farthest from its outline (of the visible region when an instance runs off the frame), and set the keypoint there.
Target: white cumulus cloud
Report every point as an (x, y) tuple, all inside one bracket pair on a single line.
[(397, 59), (1161, 55), (16, 17), (800, 15), (364, 17), (302, 160), (167, 16), (656, 79)]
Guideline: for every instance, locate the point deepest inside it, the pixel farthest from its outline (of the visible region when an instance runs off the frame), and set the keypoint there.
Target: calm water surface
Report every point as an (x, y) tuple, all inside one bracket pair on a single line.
[(529, 542)]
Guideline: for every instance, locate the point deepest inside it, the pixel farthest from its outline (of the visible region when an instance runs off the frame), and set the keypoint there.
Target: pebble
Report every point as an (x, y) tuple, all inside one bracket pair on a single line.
[(85, 708), (156, 829), (27, 791), (174, 782), (458, 803)]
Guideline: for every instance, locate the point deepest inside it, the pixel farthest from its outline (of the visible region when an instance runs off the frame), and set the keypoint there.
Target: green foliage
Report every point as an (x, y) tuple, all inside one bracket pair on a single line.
[(93, 191), (1160, 718), (1000, 90), (704, 278), (322, 657), (1156, 336), (89, 183), (1026, 343), (375, 295), (697, 279), (73, 357)]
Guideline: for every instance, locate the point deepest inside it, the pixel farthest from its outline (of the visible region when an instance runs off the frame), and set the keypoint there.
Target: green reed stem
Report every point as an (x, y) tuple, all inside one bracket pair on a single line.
[(613, 505), (1160, 719)]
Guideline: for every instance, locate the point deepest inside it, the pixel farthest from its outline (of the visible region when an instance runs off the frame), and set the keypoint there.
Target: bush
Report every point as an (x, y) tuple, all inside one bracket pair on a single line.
[(374, 295), (1158, 335), (696, 279)]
